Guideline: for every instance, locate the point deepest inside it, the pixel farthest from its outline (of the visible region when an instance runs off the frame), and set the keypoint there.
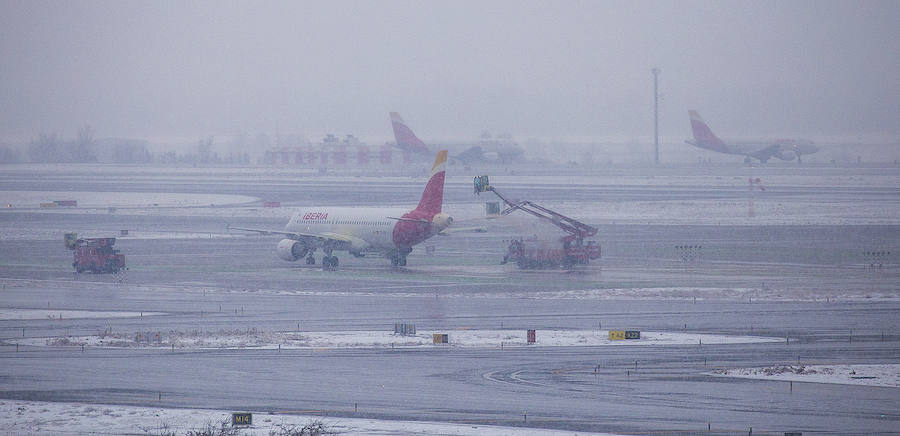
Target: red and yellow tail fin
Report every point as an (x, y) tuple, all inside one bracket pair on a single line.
[(433, 196), (703, 135)]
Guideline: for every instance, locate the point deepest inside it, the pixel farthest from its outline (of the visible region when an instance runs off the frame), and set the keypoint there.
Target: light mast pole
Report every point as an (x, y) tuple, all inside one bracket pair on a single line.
[(655, 115)]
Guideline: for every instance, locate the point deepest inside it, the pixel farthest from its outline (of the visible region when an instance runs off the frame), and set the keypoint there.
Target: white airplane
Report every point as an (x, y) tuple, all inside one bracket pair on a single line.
[(487, 149), (360, 231), (763, 149)]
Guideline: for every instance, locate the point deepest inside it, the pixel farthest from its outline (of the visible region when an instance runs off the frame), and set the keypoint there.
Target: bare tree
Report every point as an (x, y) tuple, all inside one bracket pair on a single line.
[(204, 149), (82, 150), (9, 154), (45, 149), (131, 151)]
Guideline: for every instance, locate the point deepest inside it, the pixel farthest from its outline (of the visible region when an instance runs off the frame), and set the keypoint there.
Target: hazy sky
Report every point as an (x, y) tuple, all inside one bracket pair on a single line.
[(535, 69)]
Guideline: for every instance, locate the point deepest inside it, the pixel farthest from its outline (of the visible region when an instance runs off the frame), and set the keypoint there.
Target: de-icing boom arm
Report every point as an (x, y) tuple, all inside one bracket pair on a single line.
[(570, 225)]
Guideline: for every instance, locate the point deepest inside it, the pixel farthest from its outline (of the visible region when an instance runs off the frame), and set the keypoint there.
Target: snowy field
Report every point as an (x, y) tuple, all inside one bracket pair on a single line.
[(58, 314), (43, 418), (375, 339), (793, 196), (887, 375), (58, 235), (719, 294), (768, 210), (105, 200), (662, 293)]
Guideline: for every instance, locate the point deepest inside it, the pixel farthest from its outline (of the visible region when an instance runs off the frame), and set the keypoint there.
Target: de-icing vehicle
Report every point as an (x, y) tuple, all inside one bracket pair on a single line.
[(96, 255), (566, 252)]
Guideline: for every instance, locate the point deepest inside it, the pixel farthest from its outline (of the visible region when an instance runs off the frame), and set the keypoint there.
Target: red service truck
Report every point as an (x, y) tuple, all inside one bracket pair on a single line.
[(96, 255)]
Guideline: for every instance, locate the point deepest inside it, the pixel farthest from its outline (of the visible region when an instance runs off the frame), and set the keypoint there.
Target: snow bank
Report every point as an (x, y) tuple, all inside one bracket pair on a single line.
[(867, 375), (43, 418), (253, 338)]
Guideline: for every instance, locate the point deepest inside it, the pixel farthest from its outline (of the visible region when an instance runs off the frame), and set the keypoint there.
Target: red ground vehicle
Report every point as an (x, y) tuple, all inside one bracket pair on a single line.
[(565, 252), (96, 255)]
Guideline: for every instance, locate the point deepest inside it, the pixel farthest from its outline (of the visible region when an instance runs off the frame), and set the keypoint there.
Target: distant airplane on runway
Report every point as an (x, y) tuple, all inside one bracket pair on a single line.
[(763, 149), (360, 231), (487, 150)]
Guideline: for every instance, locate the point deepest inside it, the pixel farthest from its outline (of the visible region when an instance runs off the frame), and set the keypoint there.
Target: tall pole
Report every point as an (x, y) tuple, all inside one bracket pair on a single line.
[(655, 115)]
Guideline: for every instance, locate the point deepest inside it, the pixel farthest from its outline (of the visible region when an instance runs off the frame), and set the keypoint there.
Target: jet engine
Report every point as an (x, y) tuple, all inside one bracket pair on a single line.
[(441, 221), (786, 154), (291, 250)]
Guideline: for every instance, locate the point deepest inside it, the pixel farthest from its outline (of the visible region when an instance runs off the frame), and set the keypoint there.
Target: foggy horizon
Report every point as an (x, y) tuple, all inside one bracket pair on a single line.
[(533, 70)]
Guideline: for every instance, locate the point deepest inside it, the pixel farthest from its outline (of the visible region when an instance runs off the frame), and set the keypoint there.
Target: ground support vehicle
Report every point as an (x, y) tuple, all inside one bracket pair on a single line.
[(566, 252), (95, 255)]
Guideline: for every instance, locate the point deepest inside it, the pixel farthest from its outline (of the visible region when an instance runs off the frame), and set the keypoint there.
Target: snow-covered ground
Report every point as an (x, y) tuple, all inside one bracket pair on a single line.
[(767, 211), (44, 418), (667, 293), (8, 314), (718, 293), (58, 235), (868, 375), (380, 339), (791, 198), (33, 199)]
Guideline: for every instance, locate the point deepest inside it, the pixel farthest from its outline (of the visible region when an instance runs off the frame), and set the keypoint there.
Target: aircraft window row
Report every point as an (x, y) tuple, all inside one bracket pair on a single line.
[(361, 223)]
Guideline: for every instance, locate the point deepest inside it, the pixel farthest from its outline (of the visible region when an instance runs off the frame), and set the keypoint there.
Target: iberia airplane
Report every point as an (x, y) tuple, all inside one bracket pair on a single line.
[(762, 149), (361, 231)]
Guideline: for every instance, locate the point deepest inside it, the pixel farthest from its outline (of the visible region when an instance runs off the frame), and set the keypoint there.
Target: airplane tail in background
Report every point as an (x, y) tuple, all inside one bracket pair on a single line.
[(433, 196), (703, 135), (406, 139)]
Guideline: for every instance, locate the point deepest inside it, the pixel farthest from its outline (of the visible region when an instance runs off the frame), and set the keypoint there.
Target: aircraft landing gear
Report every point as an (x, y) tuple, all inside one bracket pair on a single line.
[(310, 260), (398, 260), (329, 263)]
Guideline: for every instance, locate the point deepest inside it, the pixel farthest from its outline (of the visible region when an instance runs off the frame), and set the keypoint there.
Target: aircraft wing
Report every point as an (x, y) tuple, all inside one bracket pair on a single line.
[(766, 153), (336, 237), (335, 241), (295, 235), (450, 231), (473, 225), (409, 220)]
